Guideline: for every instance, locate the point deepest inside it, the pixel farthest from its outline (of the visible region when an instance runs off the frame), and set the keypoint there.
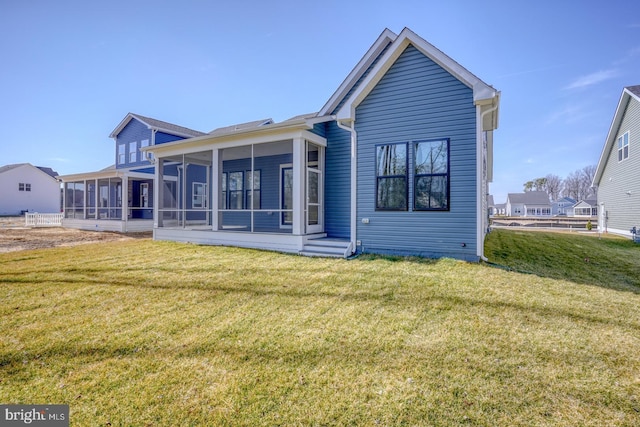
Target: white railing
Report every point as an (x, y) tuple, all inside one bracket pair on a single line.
[(43, 219)]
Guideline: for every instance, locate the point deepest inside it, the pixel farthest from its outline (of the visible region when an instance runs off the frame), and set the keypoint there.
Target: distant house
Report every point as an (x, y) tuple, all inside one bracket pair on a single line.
[(120, 197), (529, 204), (563, 206), (585, 208), (28, 188), (397, 161), (617, 176), (496, 208)]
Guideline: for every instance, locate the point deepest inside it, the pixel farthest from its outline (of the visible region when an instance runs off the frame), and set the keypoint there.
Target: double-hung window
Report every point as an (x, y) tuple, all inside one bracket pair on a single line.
[(252, 189), (431, 175), (235, 183), (391, 177), (425, 170), (623, 147), (121, 154), (144, 143), (24, 186), (133, 152)]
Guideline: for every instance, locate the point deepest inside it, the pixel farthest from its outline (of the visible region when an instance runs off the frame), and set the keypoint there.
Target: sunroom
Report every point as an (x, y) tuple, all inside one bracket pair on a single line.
[(110, 200), (258, 188)]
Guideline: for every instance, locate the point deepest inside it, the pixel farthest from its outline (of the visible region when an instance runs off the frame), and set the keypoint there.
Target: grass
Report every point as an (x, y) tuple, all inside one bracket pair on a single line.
[(160, 333)]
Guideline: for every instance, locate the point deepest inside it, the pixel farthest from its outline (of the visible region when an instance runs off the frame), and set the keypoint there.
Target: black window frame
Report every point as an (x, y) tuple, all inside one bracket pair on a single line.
[(446, 175), (390, 177)]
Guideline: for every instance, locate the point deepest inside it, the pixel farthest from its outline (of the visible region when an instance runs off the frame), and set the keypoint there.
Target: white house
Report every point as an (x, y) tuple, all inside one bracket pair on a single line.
[(530, 203), (24, 187)]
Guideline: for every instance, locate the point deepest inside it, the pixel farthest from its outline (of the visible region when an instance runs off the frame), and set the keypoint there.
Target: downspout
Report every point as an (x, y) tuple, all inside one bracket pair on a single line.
[(354, 138), (479, 166)]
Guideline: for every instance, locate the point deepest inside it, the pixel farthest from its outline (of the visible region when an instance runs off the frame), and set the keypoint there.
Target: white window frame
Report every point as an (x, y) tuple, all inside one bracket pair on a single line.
[(133, 152), (198, 200), (122, 154), (143, 143), (623, 146)]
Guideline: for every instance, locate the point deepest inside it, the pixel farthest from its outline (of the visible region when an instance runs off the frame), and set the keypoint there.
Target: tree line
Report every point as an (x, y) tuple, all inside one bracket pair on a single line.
[(576, 185)]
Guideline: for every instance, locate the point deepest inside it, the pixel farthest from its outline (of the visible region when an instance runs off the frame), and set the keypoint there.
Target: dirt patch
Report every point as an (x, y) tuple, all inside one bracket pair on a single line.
[(14, 236)]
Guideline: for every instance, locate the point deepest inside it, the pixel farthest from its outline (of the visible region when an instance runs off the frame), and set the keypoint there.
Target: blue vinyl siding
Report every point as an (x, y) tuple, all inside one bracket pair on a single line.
[(337, 211), (418, 100), (162, 138), (134, 131)]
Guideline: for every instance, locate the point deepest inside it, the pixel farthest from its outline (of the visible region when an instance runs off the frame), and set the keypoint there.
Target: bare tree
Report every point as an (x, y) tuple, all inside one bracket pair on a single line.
[(553, 186), (587, 174), (572, 185)]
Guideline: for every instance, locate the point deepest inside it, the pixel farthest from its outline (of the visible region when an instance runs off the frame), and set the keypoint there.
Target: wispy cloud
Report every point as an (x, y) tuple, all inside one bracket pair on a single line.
[(59, 159), (592, 79)]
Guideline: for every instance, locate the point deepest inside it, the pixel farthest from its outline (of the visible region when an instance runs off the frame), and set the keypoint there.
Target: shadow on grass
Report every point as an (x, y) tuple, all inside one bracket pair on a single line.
[(608, 262)]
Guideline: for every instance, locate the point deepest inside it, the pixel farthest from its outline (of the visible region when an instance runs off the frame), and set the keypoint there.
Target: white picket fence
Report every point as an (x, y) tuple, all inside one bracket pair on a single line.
[(34, 219)]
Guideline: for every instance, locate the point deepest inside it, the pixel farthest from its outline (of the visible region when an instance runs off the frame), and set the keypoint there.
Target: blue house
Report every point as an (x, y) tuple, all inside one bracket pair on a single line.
[(398, 161), (120, 197)]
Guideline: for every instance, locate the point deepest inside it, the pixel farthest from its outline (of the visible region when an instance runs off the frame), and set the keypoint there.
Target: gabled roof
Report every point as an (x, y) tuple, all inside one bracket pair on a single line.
[(483, 94), (157, 125), (590, 202), (566, 199), (529, 198), (241, 126), (384, 40), (628, 93), (53, 174)]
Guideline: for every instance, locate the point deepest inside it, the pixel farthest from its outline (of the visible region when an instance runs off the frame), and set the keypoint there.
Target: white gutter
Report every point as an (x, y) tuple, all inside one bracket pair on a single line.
[(480, 177), (354, 138)]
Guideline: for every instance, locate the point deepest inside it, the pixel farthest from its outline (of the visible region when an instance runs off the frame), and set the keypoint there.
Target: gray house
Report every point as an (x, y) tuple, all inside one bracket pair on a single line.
[(529, 204), (617, 176), (397, 161)]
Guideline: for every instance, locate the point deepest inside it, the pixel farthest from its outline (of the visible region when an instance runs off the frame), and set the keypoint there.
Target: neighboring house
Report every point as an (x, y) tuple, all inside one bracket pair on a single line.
[(24, 187), (496, 208), (585, 208), (617, 176), (397, 161), (529, 204), (563, 206), (120, 197)]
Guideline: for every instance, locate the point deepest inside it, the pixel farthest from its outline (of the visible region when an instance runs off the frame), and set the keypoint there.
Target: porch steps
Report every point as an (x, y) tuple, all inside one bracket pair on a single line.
[(326, 247)]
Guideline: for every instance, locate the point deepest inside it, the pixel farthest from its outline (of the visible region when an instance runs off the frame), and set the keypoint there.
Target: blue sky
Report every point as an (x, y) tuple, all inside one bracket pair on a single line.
[(71, 70)]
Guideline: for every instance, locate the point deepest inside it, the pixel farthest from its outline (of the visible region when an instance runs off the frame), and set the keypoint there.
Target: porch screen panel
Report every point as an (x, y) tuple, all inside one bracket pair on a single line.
[(251, 187)]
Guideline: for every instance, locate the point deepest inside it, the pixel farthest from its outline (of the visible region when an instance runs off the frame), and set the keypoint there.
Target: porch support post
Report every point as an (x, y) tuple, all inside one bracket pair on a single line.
[(158, 192), (125, 200), (298, 186), (216, 184)]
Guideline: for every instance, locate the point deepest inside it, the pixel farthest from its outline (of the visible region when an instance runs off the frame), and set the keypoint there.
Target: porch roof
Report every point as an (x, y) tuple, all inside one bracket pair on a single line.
[(106, 173), (296, 127)]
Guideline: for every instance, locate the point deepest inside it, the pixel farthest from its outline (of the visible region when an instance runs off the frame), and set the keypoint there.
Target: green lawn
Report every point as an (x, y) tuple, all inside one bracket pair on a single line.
[(163, 334)]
